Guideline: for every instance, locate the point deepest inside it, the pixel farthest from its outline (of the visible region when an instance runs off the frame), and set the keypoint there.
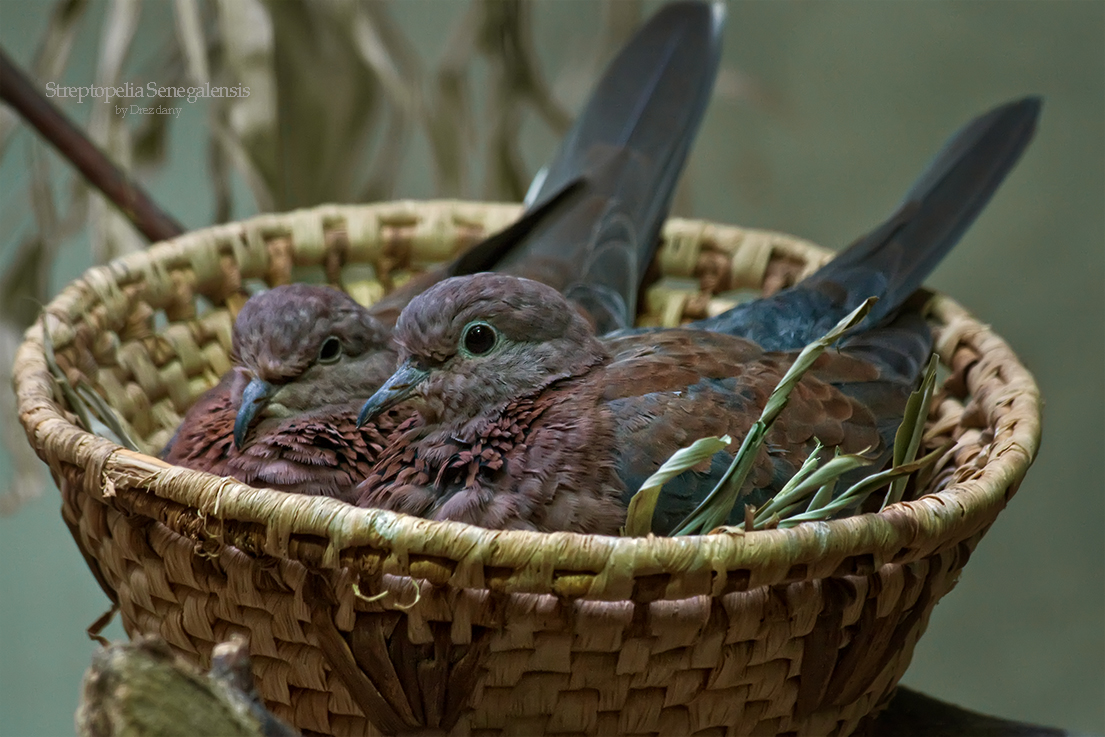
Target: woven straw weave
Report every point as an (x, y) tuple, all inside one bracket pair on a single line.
[(365, 622)]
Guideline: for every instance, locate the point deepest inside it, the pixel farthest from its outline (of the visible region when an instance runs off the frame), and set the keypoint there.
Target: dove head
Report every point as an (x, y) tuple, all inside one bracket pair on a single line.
[(472, 343), (300, 347)]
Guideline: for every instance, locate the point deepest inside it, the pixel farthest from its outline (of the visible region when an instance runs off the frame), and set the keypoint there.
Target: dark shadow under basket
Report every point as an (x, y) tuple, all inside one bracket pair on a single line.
[(368, 622)]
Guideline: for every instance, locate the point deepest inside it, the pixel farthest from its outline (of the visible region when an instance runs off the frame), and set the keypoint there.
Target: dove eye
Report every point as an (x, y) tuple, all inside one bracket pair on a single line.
[(330, 350), (479, 338)]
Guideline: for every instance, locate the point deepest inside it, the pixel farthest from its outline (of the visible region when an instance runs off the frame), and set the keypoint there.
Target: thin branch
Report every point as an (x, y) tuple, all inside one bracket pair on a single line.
[(18, 91)]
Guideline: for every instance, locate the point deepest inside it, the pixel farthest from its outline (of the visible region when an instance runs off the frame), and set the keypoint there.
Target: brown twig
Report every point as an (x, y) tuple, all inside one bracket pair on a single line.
[(19, 92)]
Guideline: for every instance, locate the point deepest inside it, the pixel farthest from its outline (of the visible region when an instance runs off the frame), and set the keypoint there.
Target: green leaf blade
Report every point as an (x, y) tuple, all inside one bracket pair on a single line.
[(642, 506)]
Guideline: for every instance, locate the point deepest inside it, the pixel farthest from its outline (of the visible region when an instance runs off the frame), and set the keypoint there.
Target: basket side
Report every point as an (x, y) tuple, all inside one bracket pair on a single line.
[(801, 630), (101, 323)]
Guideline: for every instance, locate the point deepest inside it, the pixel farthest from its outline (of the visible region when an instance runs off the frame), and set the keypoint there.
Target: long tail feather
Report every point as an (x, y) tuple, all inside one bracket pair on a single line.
[(630, 144), (894, 259)]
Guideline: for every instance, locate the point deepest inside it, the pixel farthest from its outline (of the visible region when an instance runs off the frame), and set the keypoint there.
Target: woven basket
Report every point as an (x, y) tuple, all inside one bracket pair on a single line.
[(364, 622)]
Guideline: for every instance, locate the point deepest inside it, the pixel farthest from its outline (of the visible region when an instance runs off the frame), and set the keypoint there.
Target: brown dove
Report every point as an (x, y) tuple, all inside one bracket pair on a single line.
[(527, 420)]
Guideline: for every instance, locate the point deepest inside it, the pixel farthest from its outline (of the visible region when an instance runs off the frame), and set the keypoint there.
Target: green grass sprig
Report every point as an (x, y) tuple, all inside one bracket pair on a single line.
[(642, 507), (810, 495), (907, 441), (718, 504)]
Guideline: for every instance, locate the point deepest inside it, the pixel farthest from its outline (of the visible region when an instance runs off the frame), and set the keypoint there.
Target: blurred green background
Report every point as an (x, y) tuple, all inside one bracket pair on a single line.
[(824, 114)]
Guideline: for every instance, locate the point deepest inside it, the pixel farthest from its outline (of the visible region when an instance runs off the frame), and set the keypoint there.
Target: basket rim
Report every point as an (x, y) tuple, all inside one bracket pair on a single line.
[(563, 563)]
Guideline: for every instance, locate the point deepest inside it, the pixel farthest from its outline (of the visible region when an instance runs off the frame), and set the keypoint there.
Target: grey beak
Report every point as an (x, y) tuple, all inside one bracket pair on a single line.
[(256, 395), (400, 386)]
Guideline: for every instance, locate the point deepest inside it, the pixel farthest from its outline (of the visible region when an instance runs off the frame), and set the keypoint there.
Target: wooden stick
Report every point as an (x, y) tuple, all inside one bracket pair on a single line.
[(141, 689)]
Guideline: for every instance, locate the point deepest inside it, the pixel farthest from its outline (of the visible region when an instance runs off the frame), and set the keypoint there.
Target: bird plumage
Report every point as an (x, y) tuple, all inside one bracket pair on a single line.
[(554, 429), (632, 139), (321, 451), (548, 427), (282, 417), (285, 415)]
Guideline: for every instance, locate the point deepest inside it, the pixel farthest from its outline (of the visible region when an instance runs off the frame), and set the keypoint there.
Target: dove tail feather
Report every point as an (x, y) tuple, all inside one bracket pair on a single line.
[(937, 210), (893, 260), (630, 144)]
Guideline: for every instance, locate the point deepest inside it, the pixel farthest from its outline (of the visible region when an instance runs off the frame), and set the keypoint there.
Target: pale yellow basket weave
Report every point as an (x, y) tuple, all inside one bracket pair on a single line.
[(364, 622)]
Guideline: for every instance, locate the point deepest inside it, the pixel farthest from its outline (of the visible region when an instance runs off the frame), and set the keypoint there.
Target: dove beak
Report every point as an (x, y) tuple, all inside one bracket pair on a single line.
[(400, 386), (256, 395)]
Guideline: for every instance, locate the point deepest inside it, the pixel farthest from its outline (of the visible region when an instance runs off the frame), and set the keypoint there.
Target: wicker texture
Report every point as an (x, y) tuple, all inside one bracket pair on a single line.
[(368, 622)]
